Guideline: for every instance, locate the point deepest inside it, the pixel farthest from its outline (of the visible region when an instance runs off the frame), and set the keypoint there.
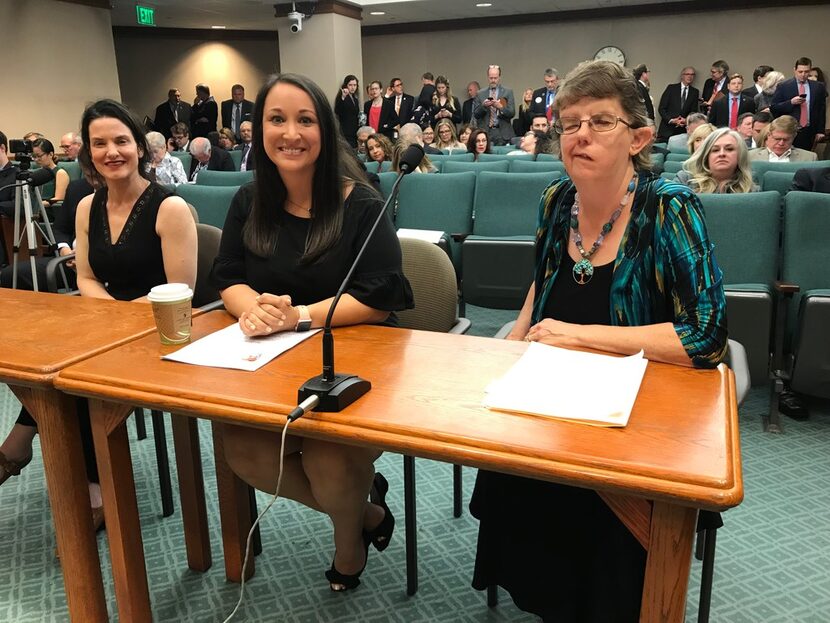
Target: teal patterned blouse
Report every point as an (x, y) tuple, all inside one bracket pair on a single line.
[(665, 269)]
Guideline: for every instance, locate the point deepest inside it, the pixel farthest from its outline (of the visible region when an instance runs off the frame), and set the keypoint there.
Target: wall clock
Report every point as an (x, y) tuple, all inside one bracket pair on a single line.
[(610, 53)]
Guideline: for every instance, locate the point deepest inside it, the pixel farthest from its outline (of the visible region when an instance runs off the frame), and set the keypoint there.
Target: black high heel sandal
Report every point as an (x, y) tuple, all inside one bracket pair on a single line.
[(348, 582), (382, 534)]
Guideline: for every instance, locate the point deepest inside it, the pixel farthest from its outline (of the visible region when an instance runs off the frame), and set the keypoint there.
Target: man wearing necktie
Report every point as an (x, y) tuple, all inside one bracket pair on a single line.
[(725, 111), (246, 134), (236, 110), (805, 101), (496, 107), (404, 103), (542, 99), (171, 112), (677, 102)]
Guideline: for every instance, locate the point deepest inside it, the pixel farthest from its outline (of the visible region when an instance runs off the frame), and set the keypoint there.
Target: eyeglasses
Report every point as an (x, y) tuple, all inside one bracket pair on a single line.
[(602, 122)]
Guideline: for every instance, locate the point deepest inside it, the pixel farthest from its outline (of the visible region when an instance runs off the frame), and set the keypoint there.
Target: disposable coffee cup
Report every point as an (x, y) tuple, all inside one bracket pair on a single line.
[(171, 309)]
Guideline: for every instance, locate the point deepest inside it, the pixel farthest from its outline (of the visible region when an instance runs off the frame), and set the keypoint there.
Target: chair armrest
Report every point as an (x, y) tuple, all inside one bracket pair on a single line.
[(462, 325), (787, 289), (217, 304), (51, 273), (505, 330), (459, 237), (737, 360)]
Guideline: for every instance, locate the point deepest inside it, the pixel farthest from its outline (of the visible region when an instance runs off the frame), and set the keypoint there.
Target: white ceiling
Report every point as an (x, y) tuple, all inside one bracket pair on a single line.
[(259, 14)]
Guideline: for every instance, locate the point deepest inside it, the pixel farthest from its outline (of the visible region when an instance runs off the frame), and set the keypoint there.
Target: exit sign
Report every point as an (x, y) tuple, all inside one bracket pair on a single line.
[(145, 15)]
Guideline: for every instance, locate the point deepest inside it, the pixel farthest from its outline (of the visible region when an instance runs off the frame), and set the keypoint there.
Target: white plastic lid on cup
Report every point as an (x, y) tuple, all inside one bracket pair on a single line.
[(170, 292)]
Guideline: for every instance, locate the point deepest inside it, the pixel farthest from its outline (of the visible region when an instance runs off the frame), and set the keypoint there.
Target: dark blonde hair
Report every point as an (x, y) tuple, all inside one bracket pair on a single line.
[(601, 80)]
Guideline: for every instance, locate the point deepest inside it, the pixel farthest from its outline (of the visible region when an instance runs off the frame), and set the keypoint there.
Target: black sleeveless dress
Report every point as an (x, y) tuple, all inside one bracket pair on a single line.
[(130, 266), (558, 550)]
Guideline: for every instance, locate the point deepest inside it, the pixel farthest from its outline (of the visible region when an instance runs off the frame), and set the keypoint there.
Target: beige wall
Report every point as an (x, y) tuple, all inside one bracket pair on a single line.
[(302, 52), (48, 80), (769, 36), (151, 62)]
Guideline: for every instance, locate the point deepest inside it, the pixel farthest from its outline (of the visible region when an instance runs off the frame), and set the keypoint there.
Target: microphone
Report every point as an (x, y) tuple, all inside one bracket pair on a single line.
[(337, 391)]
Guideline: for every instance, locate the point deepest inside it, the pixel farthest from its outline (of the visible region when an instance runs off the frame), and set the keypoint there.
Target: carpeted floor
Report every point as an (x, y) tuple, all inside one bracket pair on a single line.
[(772, 561)]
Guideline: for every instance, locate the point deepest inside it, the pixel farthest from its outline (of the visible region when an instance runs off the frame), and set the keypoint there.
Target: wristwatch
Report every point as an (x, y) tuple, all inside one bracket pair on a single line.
[(304, 318)]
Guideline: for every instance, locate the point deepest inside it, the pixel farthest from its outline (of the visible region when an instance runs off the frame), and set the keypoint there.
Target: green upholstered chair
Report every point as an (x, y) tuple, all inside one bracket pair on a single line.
[(236, 158), (224, 178), (745, 231), (661, 145), (72, 167), (779, 181), (672, 166), (804, 264), (386, 181), (438, 202), (542, 157), (536, 166), (498, 258), (760, 167), (668, 176), (186, 159), (451, 166), (211, 202), (382, 167), (502, 149), (657, 161), (488, 157), (677, 156), (463, 156)]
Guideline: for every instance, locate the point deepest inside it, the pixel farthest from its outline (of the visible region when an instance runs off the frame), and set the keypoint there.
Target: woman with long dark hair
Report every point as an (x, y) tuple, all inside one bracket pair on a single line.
[(43, 153), (289, 240), (347, 109)]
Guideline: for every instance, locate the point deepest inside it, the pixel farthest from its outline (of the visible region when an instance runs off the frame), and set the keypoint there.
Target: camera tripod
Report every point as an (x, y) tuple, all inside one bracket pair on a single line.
[(28, 206)]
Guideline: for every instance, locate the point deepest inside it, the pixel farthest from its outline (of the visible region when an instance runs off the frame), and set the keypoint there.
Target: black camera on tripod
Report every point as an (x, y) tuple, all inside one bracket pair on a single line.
[(22, 151)]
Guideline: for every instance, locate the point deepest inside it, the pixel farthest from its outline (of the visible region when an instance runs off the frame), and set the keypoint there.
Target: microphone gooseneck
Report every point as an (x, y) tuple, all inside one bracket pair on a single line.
[(337, 391)]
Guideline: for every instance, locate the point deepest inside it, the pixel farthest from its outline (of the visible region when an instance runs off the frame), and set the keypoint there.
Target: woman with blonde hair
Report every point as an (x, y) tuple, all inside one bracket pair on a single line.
[(426, 165), (720, 165), (698, 135), (764, 98), (444, 104), (445, 131)]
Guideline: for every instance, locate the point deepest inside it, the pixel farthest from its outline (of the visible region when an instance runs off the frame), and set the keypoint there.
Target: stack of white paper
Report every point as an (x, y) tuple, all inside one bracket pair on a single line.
[(573, 385), (432, 236), (230, 348)]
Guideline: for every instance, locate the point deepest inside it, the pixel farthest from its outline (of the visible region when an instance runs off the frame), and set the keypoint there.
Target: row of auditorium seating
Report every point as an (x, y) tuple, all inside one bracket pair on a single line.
[(778, 181), (759, 167)]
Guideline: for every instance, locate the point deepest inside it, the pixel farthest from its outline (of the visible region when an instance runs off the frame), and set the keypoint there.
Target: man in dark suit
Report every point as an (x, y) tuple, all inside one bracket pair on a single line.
[(467, 108), (171, 112), (246, 132), (236, 110), (207, 157), (805, 100), (726, 110), (678, 101), (641, 74), (758, 79), (542, 99), (812, 180), (404, 103), (203, 113), (717, 83)]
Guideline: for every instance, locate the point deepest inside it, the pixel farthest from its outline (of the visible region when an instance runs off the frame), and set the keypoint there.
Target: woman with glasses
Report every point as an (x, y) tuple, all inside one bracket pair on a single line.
[(478, 143), (719, 165), (445, 129), (43, 154), (623, 264)]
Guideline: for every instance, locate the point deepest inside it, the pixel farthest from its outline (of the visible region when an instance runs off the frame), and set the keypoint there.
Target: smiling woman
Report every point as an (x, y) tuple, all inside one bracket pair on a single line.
[(623, 264), (288, 242)]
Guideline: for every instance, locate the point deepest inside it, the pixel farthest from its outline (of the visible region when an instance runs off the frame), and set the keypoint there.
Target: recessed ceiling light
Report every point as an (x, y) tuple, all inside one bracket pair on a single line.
[(218, 27), (377, 13), (484, 4)]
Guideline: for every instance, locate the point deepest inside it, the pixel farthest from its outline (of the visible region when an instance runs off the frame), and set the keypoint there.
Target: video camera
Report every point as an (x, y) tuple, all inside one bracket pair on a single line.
[(22, 151)]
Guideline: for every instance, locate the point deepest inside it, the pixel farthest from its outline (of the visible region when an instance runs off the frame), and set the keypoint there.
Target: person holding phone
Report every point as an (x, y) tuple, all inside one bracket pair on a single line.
[(804, 100), (496, 107)]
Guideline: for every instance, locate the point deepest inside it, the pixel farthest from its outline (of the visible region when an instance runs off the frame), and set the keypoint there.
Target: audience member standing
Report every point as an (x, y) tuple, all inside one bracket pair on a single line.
[(763, 100), (714, 85), (804, 100), (467, 107), (495, 108), (347, 109), (678, 101), (236, 110), (444, 104), (380, 112), (543, 98), (403, 102), (643, 86), (725, 111), (204, 112), (758, 76), (171, 112)]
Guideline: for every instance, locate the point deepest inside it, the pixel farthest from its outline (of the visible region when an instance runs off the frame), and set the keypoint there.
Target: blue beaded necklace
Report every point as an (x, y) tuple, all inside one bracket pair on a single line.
[(583, 270)]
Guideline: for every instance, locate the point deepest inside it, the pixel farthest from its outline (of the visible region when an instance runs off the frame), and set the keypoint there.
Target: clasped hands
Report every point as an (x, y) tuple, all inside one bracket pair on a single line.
[(270, 313)]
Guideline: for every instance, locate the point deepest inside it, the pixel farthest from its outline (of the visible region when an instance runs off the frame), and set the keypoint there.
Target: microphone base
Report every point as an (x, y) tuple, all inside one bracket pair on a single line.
[(335, 395)]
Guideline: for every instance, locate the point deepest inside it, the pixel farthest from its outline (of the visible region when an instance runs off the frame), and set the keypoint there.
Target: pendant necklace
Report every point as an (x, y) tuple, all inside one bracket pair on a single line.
[(583, 270)]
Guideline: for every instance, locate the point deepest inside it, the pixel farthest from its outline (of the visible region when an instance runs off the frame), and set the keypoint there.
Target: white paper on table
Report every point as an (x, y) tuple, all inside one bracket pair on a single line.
[(430, 235), (573, 385), (230, 348)]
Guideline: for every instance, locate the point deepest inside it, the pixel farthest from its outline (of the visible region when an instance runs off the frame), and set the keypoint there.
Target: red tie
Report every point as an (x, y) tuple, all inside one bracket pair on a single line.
[(733, 112), (802, 119)]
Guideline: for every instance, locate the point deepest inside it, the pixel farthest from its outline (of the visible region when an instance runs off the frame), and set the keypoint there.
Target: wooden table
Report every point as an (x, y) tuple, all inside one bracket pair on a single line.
[(680, 450), (42, 334)]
